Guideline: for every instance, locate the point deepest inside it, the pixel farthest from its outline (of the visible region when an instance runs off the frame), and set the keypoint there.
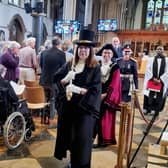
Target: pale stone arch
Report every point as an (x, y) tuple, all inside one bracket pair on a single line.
[(16, 28)]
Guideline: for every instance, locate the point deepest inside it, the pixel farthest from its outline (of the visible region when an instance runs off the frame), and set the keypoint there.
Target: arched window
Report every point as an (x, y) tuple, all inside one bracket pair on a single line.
[(149, 14), (157, 15), (165, 15), (157, 12)]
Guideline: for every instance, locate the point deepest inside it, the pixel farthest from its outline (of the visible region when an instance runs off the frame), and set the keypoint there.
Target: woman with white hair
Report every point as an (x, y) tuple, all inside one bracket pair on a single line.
[(28, 61), (10, 60), (31, 41)]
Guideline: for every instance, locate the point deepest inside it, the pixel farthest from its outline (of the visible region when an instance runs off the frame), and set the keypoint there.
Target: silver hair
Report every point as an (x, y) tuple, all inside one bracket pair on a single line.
[(14, 44), (48, 44), (30, 40)]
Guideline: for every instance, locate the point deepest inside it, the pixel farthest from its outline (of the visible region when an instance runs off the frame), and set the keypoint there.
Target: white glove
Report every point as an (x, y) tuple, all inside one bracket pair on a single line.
[(69, 76), (73, 88)]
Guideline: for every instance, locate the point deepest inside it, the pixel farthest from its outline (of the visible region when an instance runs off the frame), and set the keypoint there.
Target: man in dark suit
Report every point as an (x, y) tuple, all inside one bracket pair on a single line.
[(117, 46), (51, 60)]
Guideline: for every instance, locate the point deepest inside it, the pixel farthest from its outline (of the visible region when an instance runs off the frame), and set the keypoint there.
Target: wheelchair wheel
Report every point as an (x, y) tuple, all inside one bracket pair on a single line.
[(14, 130), (28, 134)]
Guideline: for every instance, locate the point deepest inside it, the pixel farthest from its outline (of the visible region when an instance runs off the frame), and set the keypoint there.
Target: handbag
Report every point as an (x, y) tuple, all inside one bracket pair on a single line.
[(153, 86)]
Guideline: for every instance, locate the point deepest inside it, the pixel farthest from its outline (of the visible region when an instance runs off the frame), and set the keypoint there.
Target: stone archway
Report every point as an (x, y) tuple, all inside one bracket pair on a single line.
[(16, 29), (2, 35)]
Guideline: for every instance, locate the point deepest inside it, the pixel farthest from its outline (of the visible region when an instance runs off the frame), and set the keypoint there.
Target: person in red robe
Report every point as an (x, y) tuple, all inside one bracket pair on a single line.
[(111, 98)]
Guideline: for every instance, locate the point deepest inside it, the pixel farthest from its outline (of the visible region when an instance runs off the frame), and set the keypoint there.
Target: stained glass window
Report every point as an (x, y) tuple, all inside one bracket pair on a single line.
[(150, 9), (158, 12), (15, 2), (155, 14), (165, 14)]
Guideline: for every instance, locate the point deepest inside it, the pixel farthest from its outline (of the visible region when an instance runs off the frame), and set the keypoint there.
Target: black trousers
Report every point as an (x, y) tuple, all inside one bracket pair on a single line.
[(154, 102), (81, 141), (50, 97)]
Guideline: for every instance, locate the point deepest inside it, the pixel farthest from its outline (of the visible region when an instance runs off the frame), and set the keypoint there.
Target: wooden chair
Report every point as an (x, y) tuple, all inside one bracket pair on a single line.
[(164, 143), (31, 83), (35, 98)]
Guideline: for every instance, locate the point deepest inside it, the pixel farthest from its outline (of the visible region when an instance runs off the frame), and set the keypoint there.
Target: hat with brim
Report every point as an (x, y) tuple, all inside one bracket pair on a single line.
[(86, 38), (127, 48), (107, 47)]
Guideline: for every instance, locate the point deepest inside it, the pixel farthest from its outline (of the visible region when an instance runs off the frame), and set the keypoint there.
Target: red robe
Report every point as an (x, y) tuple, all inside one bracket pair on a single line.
[(109, 107)]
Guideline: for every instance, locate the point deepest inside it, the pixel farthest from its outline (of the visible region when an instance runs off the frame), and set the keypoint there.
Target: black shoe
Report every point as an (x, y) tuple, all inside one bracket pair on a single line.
[(146, 112), (99, 145), (95, 145), (68, 166), (103, 145)]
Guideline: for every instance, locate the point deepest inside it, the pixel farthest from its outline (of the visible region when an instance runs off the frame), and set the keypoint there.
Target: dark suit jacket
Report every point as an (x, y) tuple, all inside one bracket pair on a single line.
[(51, 60), (119, 52)]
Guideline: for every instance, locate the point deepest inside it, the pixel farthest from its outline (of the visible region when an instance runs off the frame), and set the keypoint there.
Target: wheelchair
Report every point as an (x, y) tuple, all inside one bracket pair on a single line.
[(15, 121)]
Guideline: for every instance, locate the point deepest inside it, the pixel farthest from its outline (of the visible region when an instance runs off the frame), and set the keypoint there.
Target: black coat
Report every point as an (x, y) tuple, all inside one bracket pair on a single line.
[(128, 67), (7, 98), (77, 116), (50, 61)]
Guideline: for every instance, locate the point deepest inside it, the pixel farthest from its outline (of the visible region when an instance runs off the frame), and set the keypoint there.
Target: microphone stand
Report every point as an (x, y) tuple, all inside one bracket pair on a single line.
[(145, 134)]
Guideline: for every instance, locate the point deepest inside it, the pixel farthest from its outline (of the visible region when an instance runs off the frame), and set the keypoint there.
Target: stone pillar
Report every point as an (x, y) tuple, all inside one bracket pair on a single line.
[(37, 30), (88, 13), (69, 12), (69, 9), (123, 15), (37, 26), (102, 10)]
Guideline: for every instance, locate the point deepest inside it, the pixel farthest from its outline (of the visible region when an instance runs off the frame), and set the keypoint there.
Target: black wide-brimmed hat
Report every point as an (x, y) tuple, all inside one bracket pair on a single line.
[(107, 47), (86, 37)]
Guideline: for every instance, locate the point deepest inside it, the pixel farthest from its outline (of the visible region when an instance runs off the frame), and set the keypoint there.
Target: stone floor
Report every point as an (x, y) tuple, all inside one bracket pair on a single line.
[(38, 152)]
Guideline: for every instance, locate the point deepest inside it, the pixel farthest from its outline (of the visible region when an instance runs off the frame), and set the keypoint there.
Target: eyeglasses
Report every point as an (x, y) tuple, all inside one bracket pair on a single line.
[(159, 49)]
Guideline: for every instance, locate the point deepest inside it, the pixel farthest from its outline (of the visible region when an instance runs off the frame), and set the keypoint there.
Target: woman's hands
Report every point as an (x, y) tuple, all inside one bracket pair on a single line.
[(83, 91), (76, 89), (103, 96), (68, 77), (157, 81)]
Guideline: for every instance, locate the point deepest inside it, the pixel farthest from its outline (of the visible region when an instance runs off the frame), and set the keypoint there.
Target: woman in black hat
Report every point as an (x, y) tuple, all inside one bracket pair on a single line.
[(109, 46), (80, 107)]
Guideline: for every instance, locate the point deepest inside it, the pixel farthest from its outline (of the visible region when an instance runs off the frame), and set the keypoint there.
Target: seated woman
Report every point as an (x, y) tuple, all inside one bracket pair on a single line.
[(7, 94)]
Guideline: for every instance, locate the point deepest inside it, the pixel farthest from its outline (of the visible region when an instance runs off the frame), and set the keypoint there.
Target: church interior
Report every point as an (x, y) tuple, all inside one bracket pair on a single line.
[(144, 25)]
